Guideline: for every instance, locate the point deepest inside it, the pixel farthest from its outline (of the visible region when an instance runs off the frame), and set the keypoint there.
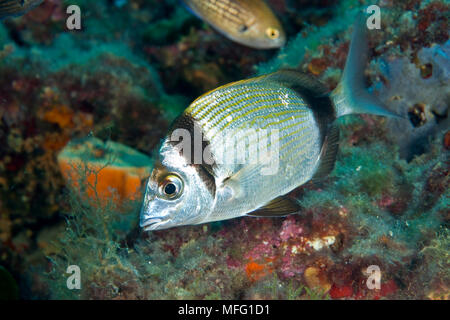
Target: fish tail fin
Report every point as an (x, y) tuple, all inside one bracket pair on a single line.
[(351, 96)]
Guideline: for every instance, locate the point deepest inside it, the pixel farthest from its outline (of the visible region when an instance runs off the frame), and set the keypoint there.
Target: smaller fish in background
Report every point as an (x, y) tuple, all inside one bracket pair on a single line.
[(15, 8), (248, 22)]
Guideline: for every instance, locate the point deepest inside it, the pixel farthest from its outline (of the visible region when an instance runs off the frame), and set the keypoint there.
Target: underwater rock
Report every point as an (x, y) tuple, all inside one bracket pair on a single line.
[(427, 108), (104, 170)]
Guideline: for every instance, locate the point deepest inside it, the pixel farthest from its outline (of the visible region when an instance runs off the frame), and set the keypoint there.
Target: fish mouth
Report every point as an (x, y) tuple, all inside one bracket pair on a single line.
[(151, 223)]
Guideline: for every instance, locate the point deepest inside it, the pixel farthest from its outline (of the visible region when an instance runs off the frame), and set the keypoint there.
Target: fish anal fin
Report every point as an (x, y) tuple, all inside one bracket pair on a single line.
[(278, 207), (241, 177), (328, 153)]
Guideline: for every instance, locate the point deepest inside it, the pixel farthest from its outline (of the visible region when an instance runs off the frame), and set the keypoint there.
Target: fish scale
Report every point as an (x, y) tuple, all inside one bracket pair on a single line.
[(243, 101), (259, 98), (262, 126), (228, 11)]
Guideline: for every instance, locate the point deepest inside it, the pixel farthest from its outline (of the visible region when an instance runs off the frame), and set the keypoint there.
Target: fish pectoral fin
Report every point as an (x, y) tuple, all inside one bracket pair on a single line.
[(240, 178), (278, 207), (328, 153), (234, 187)]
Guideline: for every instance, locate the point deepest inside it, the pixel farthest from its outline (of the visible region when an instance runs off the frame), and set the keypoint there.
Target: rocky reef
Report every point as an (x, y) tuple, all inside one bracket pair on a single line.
[(105, 96)]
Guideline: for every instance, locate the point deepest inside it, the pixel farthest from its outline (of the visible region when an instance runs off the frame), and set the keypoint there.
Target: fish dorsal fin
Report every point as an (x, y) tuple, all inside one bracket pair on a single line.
[(312, 91), (328, 153), (297, 81), (278, 207)]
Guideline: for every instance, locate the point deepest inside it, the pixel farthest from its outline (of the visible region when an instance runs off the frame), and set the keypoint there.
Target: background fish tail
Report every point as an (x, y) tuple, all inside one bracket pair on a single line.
[(351, 96)]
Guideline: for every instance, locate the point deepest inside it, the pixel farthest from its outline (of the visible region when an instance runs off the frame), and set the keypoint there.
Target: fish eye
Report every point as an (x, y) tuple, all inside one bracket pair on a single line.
[(171, 187), (243, 28), (273, 33)]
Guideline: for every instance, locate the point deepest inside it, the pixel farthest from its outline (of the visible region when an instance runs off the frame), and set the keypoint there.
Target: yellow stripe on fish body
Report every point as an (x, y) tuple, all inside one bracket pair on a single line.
[(203, 102), (227, 98), (265, 126), (268, 134), (235, 98), (244, 99), (249, 22)]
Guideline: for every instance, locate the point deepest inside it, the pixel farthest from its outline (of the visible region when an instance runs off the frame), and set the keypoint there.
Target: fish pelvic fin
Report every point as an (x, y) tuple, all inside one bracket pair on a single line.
[(278, 207), (351, 96)]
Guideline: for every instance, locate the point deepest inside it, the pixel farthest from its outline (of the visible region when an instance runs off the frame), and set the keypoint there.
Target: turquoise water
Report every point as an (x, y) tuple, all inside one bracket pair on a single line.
[(105, 95)]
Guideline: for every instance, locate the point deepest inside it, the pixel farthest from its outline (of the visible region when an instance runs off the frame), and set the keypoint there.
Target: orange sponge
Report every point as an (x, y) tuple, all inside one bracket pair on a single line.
[(104, 171)]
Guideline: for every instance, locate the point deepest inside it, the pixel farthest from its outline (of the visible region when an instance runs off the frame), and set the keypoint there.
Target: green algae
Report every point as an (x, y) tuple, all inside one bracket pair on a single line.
[(371, 171), (168, 30), (438, 252), (289, 290)]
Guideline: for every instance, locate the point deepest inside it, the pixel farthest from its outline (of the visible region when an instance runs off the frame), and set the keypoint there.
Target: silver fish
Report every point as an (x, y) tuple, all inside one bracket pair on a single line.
[(294, 113), (14, 8)]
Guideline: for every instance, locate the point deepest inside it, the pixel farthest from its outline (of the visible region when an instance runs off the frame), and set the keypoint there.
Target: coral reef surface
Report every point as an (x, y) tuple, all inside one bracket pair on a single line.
[(82, 113)]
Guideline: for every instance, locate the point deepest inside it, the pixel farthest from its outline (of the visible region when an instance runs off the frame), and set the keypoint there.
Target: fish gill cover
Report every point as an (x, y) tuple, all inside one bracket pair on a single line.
[(105, 96)]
